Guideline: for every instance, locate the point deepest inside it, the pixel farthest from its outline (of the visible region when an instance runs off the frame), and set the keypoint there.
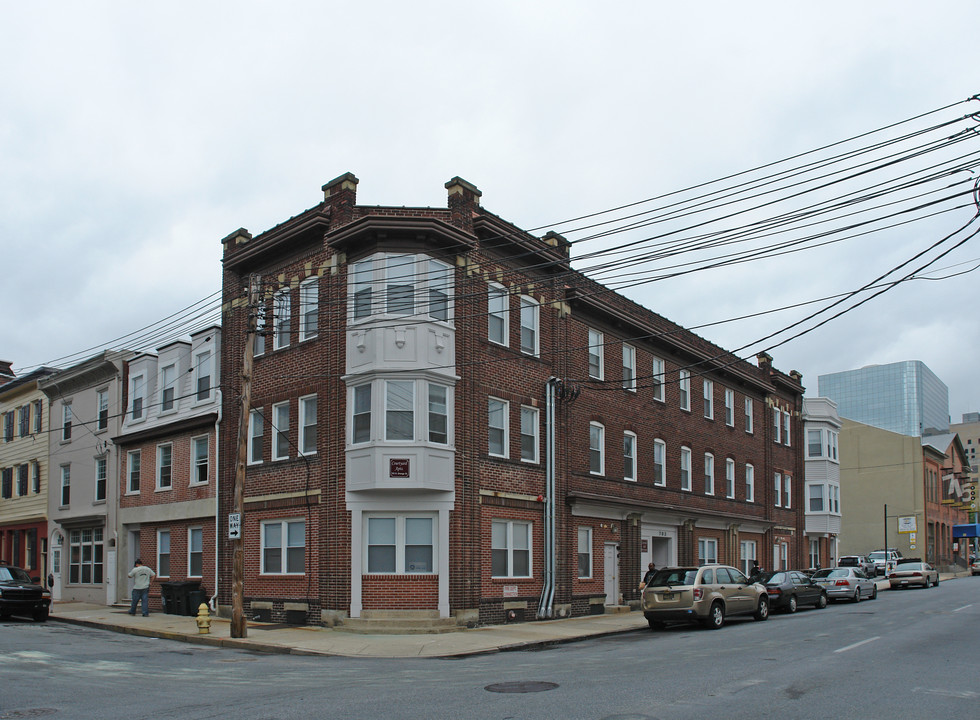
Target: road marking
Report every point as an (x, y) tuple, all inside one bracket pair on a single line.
[(857, 644), (963, 608), (965, 694)]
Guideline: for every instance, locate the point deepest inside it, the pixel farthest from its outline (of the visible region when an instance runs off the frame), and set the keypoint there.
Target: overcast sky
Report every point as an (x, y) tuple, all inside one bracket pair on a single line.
[(134, 136)]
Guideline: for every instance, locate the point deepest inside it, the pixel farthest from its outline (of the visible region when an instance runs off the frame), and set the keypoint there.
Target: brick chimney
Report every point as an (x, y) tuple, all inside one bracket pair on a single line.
[(231, 241), (765, 361), (341, 194), (6, 371), (464, 198)]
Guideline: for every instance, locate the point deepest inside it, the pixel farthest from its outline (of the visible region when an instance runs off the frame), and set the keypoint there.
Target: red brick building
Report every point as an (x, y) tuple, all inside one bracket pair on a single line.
[(446, 417)]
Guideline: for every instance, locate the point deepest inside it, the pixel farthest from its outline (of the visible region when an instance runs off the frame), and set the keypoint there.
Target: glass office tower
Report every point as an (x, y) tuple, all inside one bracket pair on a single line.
[(903, 397)]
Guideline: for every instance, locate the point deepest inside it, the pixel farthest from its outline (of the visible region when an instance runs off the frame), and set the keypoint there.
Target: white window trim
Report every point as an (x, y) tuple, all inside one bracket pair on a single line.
[(277, 440), (353, 414), (169, 554), (629, 368), (283, 549), (401, 542), (193, 459), (709, 474), (307, 305), (190, 552), (505, 428), (601, 449), (707, 551), (281, 318), (302, 424), (660, 481), (159, 467), (729, 407), (511, 524), (495, 290), (198, 365), (749, 483), (596, 356), (787, 491), (129, 471), (684, 389), (659, 377), (777, 425), (534, 306), (171, 385), (536, 425), (786, 425), (778, 487), (749, 417), (137, 390), (253, 416), (101, 395), (686, 466), (66, 421), (588, 551), (729, 478), (413, 405), (632, 459), (709, 399)]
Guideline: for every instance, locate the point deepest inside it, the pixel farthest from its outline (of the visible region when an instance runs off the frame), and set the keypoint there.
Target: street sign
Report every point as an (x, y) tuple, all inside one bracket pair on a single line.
[(234, 526)]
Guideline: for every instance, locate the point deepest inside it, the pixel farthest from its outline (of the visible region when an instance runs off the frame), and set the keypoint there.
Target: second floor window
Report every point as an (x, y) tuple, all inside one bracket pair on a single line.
[(629, 456), (529, 434), (497, 427), (133, 471), (749, 483), (686, 468), (597, 443), (101, 476), (595, 354), (256, 429), (709, 474), (307, 425), (659, 462), (65, 485), (399, 410), (199, 460), (280, 431), (165, 466)]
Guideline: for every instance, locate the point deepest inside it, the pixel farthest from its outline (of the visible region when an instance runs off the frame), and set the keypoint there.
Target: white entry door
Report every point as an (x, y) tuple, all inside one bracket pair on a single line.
[(611, 565)]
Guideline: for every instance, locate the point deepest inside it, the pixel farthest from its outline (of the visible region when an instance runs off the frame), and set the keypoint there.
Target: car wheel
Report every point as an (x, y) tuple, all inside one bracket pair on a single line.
[(857, 594), (716, 616), (656, 624), (762, 611), (936, 584), (792, 604), (821, 602), (41, 615), (874, 592)]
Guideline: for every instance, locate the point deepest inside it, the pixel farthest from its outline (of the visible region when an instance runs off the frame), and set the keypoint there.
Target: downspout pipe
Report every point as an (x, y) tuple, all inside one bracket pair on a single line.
[(213, 602), (546, 604)]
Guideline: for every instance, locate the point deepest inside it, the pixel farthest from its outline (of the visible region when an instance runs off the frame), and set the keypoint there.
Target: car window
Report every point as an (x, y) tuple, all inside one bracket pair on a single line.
[(16, 574), (833, 573), (723, 575), (708, 577), (776, 578), (847, 561), (673, 577), (738, 577)]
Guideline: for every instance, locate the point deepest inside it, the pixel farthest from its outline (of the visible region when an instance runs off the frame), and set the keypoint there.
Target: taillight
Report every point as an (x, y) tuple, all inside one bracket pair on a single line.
[(773, 590), (892, 575), (916, 574), (842, 582), (698, 593)]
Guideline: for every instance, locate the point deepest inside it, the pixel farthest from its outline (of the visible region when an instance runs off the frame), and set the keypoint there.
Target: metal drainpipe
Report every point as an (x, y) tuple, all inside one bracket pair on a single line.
[(546, 605), (213, 602)]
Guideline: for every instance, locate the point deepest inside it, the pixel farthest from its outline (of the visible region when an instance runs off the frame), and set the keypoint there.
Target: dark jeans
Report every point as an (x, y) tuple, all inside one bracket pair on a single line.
[(138, 595)]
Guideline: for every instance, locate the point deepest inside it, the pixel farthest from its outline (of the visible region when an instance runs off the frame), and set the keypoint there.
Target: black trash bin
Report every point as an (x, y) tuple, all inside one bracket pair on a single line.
[(195, 598), (167, 597), (175, 596)]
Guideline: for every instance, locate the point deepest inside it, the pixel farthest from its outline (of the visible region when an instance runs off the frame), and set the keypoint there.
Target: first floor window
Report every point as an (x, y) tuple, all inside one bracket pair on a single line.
[(195, 552), (749, 483), (659, 462), (629, 456), (401, 544), (510, 553), (101, 475), (685, 468), (284, 547), (163, 553), (746, 555), (133, 471), (814, 553), (597, 441), (85, 556), (199, 460), (165, 462), (707, 551), (584, 552)]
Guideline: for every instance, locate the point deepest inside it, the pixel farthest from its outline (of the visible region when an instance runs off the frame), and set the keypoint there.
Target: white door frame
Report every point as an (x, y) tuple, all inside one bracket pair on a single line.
[(611, 572)]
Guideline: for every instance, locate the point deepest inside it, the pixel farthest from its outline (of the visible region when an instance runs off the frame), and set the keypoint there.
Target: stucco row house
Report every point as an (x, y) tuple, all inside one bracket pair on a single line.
[(445, 417)]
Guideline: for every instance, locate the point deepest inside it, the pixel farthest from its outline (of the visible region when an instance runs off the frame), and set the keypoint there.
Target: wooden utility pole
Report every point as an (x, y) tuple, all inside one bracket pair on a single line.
[(238, 627)]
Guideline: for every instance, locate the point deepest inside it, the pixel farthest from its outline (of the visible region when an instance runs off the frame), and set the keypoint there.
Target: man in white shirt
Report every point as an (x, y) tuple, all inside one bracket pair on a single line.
[(141, 575)]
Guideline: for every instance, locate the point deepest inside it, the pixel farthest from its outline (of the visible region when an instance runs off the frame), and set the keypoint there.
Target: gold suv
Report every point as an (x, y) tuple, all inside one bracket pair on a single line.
[(706, 594)]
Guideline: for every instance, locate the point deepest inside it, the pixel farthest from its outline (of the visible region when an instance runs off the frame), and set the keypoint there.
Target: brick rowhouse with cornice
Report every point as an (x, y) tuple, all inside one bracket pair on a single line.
[(412, 368)]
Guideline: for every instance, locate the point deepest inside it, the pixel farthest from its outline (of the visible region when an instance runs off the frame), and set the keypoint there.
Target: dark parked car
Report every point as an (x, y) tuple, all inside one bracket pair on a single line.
[(20, 594), (789, 589)]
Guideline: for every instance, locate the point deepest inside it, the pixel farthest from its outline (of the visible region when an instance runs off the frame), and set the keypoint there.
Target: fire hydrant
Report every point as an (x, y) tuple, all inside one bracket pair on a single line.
[(203, 619)]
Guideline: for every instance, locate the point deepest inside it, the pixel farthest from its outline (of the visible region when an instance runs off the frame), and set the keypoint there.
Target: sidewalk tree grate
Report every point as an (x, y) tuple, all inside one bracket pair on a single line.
[(524, 686)]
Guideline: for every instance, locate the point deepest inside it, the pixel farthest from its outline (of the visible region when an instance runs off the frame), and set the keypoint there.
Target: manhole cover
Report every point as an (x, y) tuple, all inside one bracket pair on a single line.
[(521, 687)]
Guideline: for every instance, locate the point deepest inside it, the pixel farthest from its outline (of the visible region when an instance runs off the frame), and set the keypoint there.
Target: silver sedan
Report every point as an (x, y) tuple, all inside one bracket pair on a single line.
[(846, 583), (907, 574)]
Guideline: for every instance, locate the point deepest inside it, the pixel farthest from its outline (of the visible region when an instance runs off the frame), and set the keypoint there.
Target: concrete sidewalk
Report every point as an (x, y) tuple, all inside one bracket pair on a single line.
[(276, 638)]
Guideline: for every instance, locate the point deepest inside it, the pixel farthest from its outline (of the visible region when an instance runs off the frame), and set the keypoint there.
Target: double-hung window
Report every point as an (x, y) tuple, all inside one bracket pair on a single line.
[(684, 388), (778, 489), (22, 473), (65, 485), (362, 289), (709, 474), (101, 477), (659, 462), (584, 553), (137, 386), (629, 367), (38, 424), (629, 456), (816, 497), (361, 424), (133, 471), (438, 414), (707, 551), (749, 483), (686, 468), (787, 490), (401, 544), (24, 421), (529, 325), (399, 410), (709, 399), (747, 555), (498, 314), (199, 460), (777, 425), (595, 354), (597, 448), (168, 387), (165, 466), (283, 547), (814, 443), (657, 379), (65, 422), (729, 478), (202, 375), (497, 411), (195, 552), (786, 417), (307, 425), (510, 549), (281, 312), (729, 407), (258, 347), (400, 284), (163, 553), (439, 278), (748, 415), (529, 434), (256, 428), (309, 307), (102, 402), (280, 431)]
